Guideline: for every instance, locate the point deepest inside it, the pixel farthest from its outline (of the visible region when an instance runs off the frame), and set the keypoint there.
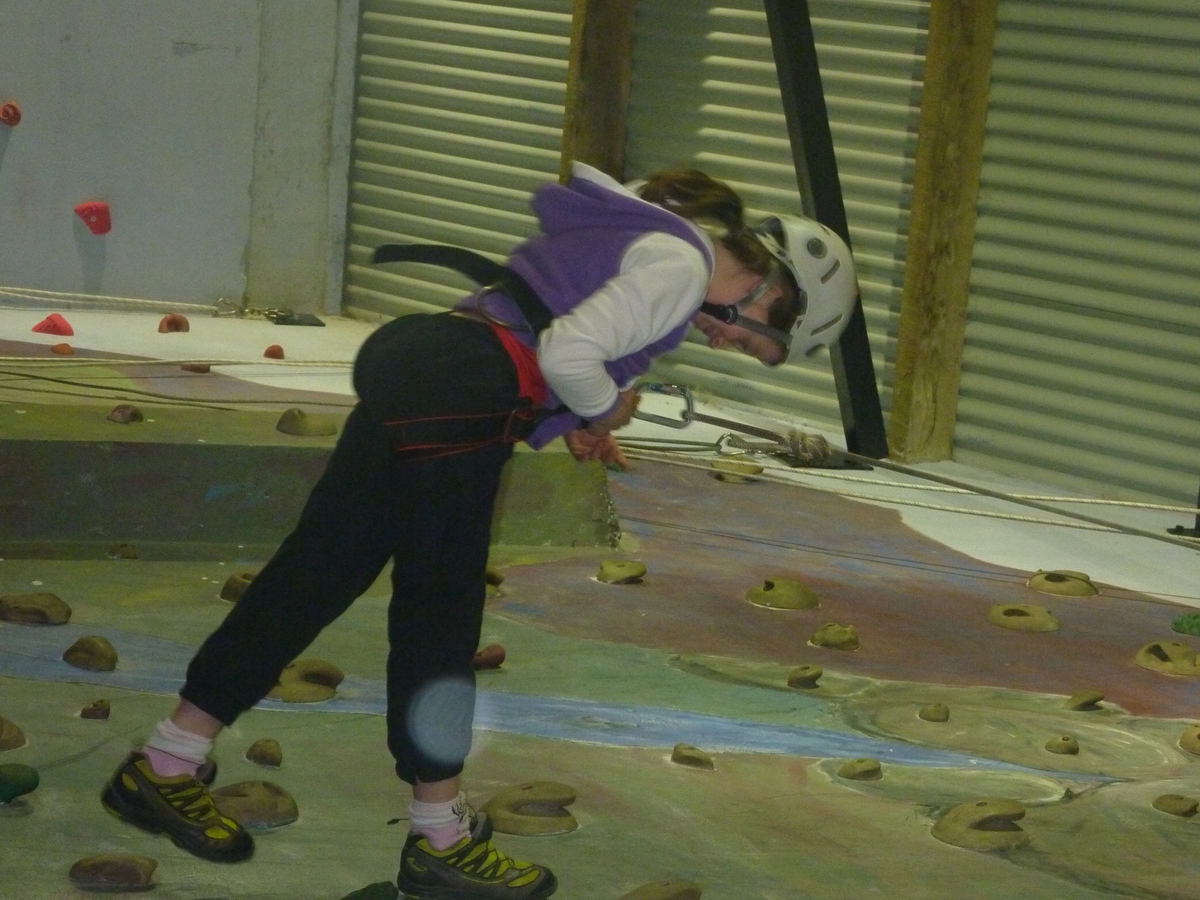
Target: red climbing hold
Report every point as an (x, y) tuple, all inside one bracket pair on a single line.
[(54, 324), (96, 216), (273, 352), (10, 114), (173, 322)]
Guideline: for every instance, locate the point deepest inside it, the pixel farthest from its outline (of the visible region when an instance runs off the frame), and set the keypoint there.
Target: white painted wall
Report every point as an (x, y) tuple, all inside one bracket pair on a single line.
[(205, 125)]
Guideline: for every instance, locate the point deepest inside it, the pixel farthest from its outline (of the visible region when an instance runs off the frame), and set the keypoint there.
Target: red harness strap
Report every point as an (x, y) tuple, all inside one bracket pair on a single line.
[(531, 384), (430, 437)]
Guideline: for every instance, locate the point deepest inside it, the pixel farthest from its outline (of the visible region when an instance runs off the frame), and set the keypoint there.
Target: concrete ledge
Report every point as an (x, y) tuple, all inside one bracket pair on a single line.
[(76, 500)]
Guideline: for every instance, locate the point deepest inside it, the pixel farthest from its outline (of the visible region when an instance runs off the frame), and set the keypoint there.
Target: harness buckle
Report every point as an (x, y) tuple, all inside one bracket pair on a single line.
[(520, 423)]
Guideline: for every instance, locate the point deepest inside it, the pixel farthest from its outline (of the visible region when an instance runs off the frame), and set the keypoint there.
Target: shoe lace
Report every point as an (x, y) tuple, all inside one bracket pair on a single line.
[(191, 800), (494, 862)]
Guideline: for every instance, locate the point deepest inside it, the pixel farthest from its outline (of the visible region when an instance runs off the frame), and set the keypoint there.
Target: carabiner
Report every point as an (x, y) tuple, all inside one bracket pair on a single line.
[(667, 390)]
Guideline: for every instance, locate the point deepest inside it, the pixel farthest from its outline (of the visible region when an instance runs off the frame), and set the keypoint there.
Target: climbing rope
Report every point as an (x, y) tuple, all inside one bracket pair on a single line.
[(810, 450), (1076, 520), (141, 361), (71, 300), (120, 392)]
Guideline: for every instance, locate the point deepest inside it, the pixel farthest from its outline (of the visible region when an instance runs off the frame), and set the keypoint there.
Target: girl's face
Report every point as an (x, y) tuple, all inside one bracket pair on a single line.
[(720, 335)]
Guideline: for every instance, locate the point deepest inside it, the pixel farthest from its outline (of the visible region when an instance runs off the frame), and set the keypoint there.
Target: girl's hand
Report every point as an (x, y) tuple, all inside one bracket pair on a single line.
[(587, 447), (627, 404)]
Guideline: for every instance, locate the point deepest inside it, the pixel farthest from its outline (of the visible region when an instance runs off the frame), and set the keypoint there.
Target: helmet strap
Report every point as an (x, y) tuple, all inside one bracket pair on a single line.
[(730, 314)]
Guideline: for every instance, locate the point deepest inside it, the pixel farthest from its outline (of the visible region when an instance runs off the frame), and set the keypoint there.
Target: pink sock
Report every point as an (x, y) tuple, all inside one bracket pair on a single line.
[(168, 766), (173, 751), (442, 824)]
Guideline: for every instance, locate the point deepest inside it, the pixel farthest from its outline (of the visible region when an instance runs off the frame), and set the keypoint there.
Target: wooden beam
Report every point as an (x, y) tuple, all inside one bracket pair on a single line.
[(954, 102), (598, 75)]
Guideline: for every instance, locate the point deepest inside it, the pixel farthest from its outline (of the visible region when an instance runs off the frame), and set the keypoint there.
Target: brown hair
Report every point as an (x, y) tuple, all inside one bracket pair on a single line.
[(717, 208)]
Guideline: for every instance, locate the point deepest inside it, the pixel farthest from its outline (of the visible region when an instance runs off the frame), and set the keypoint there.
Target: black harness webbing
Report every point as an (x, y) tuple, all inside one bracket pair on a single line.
[(479, 269), (435, 436)]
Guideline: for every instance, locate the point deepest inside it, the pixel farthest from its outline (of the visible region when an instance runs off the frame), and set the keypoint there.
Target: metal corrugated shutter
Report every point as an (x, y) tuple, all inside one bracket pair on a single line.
[(459, 110), (705, 93), (1081, 363)]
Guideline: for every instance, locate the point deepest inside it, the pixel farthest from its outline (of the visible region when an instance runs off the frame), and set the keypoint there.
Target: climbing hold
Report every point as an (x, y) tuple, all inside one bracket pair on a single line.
[(113, 872), (16, 780), (805, 676), (275, 351), (172, 323), (1176, 805), (733, 471), (1064, 744), (665, 890), (93, 653), (783, 593), (96, 216), (494, 579), (1063, 582), (532, 809), (1084, 701), (10, 114), (1022, 618), (1190, 739), (861, 770), (122, 551), (934, 712), (1189, 624), (621, 571), (265, 752), (687, 755), (256, 805), (298, 422), (307, 681), (11, 735), (986, 825), (235, 585), (125, 414), (34, 609), (489, 657), (198, 368), (836, 637), (1168, 657), (62, 349), (54, 324), (97, 709)]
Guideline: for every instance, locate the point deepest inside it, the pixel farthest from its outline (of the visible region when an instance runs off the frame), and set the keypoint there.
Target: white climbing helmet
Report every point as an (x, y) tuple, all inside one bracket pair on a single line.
[(822, 269)]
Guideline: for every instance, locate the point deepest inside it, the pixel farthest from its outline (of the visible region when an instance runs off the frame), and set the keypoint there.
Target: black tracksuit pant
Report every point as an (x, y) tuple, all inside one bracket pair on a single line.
[(430, 516)]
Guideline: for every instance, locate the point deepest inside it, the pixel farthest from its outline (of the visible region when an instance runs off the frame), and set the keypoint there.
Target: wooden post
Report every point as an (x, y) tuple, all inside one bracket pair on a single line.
[(954, 102), (598, 75)]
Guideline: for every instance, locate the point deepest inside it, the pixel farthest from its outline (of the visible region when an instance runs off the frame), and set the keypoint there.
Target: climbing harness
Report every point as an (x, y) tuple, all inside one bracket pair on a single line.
[(789, 448), (489, 275), (429, 437)]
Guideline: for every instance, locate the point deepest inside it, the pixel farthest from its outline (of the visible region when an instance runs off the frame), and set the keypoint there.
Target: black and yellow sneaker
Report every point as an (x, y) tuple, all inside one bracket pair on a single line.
[(178, 807), (473, 869)]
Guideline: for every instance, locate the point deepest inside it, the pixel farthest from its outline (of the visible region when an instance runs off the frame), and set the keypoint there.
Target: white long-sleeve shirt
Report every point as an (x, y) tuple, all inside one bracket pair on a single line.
[(661, 281)]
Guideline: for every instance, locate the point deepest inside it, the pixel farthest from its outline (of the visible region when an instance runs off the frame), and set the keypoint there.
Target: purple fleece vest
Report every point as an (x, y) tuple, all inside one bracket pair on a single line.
[(585, 230)]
